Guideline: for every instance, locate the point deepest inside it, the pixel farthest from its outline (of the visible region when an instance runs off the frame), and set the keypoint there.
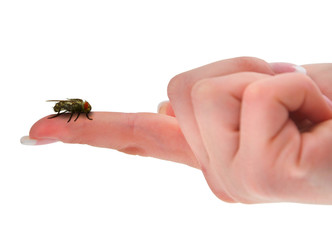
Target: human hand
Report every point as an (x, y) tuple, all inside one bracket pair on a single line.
[(237, 121)]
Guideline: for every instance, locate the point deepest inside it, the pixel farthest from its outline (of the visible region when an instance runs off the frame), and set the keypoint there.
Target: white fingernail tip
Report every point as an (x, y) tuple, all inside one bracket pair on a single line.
[(26, 140), (283, 67), (160, 105), (300, 69)]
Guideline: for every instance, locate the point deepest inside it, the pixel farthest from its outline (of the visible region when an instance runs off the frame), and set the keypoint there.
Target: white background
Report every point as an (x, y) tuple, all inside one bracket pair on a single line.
[(120, 55)]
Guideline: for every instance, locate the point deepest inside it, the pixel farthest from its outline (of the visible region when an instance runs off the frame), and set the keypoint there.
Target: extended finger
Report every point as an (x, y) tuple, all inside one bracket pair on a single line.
[(145, 134)]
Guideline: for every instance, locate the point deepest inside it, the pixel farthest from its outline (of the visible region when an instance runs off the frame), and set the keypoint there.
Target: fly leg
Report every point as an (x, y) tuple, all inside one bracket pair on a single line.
[(78, 114), (70, 117), (57, 114), (88, 116)]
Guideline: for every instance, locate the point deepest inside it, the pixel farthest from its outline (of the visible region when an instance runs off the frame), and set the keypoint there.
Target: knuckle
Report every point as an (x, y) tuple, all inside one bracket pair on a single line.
[(303, 81), (133, 121), (255, 92), (262, 90), (178, 84), (203, 89)]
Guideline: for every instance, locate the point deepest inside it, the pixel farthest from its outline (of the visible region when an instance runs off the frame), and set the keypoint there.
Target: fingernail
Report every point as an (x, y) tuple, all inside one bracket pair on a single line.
[(26, 140), (329, 102), (161, 107), (281, 67)]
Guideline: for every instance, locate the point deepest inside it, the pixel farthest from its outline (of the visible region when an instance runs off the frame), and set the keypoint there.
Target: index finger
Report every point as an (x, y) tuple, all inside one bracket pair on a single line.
[(145, 134)]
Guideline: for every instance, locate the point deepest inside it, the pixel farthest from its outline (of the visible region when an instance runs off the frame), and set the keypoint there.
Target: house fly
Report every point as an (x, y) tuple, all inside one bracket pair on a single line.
[(72, 105)]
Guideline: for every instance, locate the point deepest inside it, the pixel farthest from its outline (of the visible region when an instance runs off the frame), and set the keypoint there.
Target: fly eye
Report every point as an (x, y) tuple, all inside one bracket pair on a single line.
[(86, 105)]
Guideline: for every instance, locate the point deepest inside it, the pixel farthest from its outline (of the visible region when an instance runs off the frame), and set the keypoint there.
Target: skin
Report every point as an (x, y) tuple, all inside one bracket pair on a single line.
[(259, 132)]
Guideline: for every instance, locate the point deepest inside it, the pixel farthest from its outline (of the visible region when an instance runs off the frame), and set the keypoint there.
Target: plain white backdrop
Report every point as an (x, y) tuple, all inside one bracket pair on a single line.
[(120, 56)]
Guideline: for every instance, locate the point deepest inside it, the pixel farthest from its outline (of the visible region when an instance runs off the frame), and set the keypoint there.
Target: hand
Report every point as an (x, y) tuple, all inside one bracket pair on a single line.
[(258, 136)]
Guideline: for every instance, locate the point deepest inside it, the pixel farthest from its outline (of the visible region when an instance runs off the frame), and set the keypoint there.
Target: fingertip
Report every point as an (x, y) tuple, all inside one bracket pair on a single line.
[(165, 107), (43, 128), (27, 140), (162, 107)]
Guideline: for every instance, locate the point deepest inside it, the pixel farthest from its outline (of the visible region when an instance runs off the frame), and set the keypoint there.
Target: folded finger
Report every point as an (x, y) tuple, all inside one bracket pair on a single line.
[(266, 126), (217, 108), (285, 158), (273, 99), (180, 88), (321, 74)]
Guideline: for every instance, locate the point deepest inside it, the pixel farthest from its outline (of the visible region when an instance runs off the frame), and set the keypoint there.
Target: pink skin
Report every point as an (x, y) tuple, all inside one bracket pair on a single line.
[(238, 121), (146, 134)]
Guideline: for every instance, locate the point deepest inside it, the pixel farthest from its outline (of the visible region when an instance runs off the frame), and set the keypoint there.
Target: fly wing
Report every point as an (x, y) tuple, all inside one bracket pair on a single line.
[(68, 100), (75, 100)]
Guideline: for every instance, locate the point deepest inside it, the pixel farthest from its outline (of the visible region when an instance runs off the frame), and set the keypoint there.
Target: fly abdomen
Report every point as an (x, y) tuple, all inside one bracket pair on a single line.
[(60, 106)]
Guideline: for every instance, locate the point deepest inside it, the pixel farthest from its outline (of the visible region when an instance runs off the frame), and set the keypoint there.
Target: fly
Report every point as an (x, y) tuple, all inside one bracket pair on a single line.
[(72, 105)]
